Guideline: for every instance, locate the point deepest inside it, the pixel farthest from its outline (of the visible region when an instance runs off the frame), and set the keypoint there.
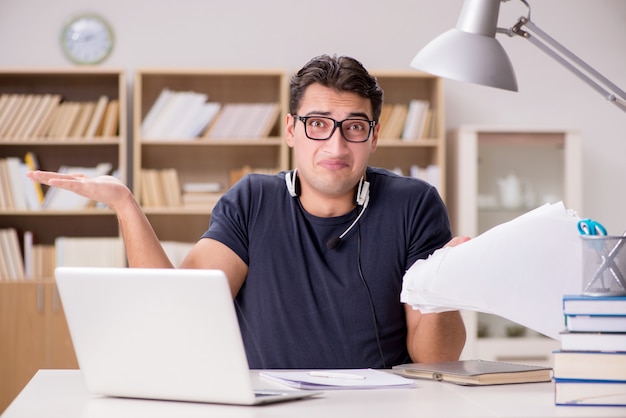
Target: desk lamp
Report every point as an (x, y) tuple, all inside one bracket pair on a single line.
[(470, 52)]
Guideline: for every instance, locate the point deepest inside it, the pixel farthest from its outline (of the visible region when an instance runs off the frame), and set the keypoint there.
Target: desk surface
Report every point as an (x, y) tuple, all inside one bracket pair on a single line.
[(61, 393)]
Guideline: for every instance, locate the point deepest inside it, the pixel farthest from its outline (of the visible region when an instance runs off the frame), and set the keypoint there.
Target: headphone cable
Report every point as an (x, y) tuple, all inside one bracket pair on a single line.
[(369, 297)]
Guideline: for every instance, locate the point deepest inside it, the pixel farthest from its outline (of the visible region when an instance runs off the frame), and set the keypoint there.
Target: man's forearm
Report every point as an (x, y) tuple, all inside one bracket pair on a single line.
[(143, 248), (437, 337)]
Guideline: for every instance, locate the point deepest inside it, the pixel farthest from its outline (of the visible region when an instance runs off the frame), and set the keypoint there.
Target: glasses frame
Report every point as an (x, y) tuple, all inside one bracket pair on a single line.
[(336, 124)]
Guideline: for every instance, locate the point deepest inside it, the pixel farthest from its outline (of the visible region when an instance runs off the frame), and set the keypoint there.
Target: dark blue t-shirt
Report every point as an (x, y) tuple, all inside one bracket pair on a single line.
[(306, 306)]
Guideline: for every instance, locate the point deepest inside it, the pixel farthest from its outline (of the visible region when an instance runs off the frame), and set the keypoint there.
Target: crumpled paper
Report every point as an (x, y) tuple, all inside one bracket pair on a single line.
[(518, 270)]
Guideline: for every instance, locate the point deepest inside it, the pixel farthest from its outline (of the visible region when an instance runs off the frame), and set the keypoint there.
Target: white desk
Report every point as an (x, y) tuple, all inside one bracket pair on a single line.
[(61, 393)]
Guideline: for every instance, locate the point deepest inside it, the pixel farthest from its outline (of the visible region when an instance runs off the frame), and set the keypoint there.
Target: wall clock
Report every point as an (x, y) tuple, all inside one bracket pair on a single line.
[(87, 39)]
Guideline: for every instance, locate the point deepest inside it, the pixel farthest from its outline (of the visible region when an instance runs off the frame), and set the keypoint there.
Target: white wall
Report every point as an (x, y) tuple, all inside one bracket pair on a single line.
[(383, 35)]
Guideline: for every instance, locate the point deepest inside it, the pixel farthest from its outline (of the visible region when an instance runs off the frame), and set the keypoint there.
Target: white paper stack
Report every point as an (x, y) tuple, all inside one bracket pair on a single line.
[(518, 270)]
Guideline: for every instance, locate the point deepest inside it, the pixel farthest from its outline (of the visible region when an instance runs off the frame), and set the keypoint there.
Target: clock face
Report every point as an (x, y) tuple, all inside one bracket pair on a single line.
[(87, 39)]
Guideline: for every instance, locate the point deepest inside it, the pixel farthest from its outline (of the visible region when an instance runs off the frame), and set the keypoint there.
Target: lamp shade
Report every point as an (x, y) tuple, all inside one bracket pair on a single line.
[(470, 52)]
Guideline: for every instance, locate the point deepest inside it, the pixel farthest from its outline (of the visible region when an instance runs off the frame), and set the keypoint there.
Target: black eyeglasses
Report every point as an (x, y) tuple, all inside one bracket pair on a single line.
[(320, 128)]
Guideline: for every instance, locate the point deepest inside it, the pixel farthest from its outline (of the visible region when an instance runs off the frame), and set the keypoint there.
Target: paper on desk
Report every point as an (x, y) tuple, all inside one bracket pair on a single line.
[(368, 379), (518, 270)]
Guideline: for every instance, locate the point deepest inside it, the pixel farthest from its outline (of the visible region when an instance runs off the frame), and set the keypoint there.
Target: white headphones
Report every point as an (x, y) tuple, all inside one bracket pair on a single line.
[(362, 195)]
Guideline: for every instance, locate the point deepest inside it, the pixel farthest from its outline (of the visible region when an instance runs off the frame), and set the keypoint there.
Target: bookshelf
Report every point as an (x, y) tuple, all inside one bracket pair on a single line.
[(482, 160), (33, 330), (427, 150), (212, 159)]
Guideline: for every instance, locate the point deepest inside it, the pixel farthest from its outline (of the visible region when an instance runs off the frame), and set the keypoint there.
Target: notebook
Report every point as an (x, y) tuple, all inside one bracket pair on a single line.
[(476, 372), (167, 334)]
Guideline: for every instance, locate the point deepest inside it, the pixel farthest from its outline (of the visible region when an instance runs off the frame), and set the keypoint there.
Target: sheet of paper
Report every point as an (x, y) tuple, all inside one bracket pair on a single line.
[(518, 270), (338, 379)]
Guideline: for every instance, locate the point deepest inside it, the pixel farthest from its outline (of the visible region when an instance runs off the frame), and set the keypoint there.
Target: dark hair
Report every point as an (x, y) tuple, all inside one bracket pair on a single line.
[(339, 73)]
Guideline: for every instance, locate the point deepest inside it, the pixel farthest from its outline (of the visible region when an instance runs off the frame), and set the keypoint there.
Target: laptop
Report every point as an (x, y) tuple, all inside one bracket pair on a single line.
[(168, 334)]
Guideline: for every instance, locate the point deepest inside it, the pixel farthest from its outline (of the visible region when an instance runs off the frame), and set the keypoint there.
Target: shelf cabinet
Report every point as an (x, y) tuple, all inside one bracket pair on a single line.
[(203, 159), (495, 175), (34, 335), (400, 88), (80, 85), (33, 330)]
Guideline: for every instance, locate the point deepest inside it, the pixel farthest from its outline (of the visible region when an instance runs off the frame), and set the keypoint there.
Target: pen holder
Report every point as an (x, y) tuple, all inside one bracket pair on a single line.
[(604, 265)]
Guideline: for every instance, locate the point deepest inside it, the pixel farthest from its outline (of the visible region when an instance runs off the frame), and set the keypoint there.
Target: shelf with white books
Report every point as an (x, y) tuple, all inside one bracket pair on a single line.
[(207, 125), (416, 98)]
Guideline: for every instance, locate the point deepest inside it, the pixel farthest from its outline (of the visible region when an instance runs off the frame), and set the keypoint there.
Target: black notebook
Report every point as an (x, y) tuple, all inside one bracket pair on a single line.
[(476, 372)]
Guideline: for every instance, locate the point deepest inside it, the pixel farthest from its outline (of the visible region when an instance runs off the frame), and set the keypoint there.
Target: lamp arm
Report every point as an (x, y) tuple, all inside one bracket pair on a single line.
[(541, 40)]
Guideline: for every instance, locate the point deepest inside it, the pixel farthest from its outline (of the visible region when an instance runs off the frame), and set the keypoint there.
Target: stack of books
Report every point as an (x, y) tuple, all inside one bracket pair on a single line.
[(590, 367), (28, 116), (406, 122), (188, 115)]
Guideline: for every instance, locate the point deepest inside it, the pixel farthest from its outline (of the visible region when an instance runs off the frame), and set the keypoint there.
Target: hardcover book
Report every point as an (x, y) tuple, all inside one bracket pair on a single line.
[(589, 365), (594, 305), (593, 341), (596, 323), (476, 372), (581, 392)]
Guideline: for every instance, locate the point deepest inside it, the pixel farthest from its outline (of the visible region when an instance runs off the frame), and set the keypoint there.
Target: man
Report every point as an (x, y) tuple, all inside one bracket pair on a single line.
[(315, 256)]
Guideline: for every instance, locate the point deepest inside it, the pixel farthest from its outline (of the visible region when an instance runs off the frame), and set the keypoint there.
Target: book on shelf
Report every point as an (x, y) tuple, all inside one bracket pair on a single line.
[(172, 112), (5, 99), (32, 162), (200, 199), (12, 261), (385, 114), (90, 252), (594, 305), (31, 188), (202, 187), (429, 124), (38, 108), (589, 365), (191, 105), (152, 194), (160, 188), (18, 191), (243, 121), (43, 123), (153, 113), (85, 113), (4, 262), (93, 125), (201, 194), (476, 372), (415, 119), (14, 173), (395, 122), (6, 196), (178, 115), (28, 239), (9, 110), (588, 393), (72, 109), (171, 187), (4, 204), (593, 341), (596, 323), (21, 107), (111, 120), (23, 116)]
